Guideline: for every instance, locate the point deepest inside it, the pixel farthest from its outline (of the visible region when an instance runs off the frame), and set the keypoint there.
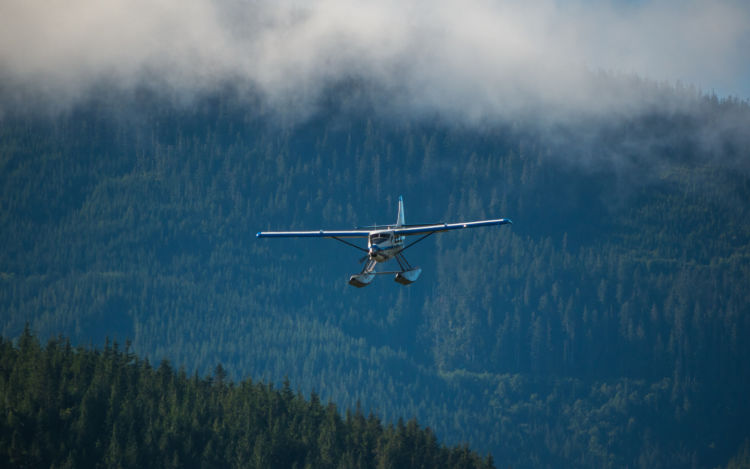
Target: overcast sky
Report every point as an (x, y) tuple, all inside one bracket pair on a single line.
[(474, 58)]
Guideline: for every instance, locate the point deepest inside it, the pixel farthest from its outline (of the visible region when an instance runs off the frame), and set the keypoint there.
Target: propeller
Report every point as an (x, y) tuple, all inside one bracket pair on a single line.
[(370, 254)]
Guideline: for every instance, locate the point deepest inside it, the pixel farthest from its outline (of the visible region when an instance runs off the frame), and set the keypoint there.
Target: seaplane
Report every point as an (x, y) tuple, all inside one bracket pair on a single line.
[(385, 242)]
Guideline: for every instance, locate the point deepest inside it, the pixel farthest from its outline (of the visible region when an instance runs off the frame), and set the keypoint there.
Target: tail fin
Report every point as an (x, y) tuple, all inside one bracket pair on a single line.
[(401, 221)]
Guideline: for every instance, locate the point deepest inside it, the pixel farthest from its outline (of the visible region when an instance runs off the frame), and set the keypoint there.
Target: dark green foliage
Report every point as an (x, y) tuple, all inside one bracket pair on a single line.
[(66, 407), (606, 327)]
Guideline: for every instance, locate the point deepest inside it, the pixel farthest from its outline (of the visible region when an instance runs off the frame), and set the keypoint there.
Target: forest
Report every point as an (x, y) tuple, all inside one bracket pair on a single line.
[(605, 328), (79, 407)]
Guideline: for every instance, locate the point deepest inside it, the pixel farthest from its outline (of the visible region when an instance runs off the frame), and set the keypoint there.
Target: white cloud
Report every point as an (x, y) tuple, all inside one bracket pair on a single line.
[(475, 58)]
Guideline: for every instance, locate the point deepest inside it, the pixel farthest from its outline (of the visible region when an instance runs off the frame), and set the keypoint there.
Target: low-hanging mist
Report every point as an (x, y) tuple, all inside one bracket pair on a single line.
[(481, 61)]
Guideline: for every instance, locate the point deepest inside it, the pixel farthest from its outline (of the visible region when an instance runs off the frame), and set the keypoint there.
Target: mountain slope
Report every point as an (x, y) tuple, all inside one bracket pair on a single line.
[(603, 329), (108, 408)]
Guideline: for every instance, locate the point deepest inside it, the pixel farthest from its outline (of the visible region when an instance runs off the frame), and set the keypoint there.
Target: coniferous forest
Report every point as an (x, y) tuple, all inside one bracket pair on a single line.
[(607, 327), (77, 407)]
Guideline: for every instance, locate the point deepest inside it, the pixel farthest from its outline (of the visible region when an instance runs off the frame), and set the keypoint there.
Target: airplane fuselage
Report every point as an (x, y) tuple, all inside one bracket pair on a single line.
[(383, 245)]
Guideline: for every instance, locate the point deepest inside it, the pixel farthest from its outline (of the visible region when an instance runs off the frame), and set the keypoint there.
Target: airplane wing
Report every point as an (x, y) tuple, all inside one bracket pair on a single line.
[(422, 229), (405, 231), (313, 234)]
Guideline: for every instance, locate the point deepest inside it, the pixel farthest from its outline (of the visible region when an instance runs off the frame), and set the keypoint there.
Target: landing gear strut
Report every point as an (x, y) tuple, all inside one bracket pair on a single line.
[(405, 276), (366, 276), (408, 273)]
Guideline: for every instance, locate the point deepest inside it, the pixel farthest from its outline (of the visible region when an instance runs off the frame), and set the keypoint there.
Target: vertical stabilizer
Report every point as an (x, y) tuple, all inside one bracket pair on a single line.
[(401, 221)]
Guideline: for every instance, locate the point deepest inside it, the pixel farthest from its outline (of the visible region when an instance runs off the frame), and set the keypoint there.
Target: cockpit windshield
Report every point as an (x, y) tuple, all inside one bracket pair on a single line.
[(379, 237)]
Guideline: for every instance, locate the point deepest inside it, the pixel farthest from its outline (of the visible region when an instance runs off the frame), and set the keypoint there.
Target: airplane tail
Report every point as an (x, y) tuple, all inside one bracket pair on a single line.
[(401, 220)]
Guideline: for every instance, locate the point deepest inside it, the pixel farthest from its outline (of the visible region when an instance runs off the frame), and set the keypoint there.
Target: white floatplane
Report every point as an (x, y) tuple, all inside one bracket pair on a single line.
[(384, 242)]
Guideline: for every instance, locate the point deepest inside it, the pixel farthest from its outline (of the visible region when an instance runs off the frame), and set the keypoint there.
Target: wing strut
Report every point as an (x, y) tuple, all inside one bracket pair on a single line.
[(420, 239), (352, 244)]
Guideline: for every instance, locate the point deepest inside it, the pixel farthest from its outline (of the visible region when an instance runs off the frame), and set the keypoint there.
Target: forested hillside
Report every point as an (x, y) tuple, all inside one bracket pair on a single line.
[(76, 407), (605, 328)]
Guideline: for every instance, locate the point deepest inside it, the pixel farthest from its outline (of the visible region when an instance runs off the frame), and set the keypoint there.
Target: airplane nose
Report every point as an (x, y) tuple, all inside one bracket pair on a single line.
[(373, 251)]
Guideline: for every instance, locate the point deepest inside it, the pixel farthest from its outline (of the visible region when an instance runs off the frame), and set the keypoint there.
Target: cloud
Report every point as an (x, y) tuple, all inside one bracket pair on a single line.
[(475, 59)]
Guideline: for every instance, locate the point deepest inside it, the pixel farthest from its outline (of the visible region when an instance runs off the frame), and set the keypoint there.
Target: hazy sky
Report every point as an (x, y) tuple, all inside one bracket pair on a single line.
[(474, 58)]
